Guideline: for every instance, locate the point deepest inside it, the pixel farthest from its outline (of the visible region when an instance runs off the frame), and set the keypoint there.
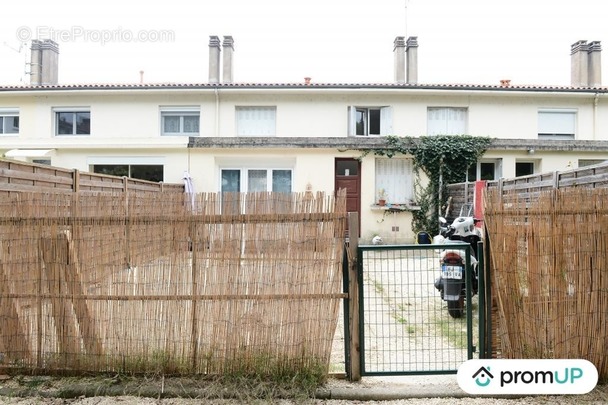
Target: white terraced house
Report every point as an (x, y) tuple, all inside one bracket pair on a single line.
[(286, 137)]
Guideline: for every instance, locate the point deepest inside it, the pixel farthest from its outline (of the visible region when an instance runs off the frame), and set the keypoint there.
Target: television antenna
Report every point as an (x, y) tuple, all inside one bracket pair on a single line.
[(19, 50), (21, 45)]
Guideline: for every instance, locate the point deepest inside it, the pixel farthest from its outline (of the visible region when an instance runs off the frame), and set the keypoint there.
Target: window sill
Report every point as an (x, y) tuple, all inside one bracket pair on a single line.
[(395, 207)]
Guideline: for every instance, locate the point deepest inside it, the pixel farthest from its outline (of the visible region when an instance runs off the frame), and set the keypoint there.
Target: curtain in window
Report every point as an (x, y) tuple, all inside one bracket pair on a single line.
[(191, 123), (257, 180), (9, 124), (170, 124)]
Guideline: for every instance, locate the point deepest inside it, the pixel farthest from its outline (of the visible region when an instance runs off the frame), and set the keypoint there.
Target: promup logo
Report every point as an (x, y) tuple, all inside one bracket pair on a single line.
[(508, 377), (483, 377)]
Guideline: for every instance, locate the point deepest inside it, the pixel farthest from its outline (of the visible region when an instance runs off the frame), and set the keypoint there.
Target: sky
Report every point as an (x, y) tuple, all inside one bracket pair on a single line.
[(331, 41)]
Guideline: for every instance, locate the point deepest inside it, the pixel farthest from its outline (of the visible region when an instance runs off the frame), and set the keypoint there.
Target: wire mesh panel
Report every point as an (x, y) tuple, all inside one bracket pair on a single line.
[(405, 325)]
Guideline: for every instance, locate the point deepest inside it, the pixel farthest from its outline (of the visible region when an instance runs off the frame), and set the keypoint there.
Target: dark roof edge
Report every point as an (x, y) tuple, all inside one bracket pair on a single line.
[(368, 143), (300, 86)]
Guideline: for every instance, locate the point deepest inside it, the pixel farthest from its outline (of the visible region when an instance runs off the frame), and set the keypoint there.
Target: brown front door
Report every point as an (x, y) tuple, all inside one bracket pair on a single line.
[(348, 176)]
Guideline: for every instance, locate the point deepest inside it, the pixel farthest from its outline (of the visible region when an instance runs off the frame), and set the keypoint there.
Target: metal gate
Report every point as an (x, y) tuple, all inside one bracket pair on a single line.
[(404, 325)]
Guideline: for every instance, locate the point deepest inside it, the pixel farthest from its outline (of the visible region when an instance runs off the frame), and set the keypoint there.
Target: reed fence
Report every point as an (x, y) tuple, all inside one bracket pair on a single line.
[(160, 283), (549, 260)]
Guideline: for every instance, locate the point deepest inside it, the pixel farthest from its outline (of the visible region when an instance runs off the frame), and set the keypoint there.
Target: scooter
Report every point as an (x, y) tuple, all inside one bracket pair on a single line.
[(451, 283)]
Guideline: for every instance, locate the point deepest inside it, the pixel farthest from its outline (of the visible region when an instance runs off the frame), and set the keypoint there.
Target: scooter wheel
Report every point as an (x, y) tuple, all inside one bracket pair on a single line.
[(456, 308)]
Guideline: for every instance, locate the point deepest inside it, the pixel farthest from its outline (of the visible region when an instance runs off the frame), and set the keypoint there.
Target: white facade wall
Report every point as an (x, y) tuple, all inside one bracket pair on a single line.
[(126, 127)]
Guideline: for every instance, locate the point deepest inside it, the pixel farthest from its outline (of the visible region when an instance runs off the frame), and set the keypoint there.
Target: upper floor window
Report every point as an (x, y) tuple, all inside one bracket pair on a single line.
[(366, 121), (395, 177), (180, 120), (556, 124), (72, 121), (256, 121), (447, 120), (9, 121)]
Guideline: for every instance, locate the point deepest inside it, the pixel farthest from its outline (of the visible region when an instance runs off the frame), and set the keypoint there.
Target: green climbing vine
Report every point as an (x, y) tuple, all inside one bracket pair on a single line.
[(445, 159)]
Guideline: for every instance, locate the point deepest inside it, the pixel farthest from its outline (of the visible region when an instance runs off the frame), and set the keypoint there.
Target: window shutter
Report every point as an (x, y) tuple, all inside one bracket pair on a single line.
[(556, 122), (446, 121), (395, 176), (256, 121), (386, 120), (352, 118), (436, 121), (456, 121)]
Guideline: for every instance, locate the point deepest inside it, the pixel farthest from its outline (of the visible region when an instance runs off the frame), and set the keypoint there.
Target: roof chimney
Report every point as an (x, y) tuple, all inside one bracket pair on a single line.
[(228, 46), (44, 62), (579, 64), (412, 60), (594, 64), (399, 53), (214, 59)]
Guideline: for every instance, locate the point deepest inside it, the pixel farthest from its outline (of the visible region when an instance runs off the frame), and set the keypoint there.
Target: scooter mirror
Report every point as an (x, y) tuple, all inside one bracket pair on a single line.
[(442, 220)]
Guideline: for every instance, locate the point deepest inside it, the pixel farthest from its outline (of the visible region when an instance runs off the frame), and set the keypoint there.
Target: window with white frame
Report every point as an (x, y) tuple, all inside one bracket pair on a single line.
[(485, 169), (524, 168), (556, 124), (395, 176), (69, 121), (242, 180), (590, 162), (256, 121), (180, 120), (365, 121), (447, 120), (256, 179), (9, 121)]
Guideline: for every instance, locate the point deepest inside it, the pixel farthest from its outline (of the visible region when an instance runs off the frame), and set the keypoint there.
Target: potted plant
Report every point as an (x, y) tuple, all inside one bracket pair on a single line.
[(382, 197)]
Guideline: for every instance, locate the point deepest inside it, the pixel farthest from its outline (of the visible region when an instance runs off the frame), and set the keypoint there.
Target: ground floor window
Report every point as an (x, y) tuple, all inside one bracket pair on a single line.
[(142, 172), (524, 168), (485, 170), (252, 180), (394, 180), (589, 162)]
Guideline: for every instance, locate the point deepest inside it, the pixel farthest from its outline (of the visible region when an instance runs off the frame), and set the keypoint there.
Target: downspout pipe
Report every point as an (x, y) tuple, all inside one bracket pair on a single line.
[(217, 111), (596, 101)]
